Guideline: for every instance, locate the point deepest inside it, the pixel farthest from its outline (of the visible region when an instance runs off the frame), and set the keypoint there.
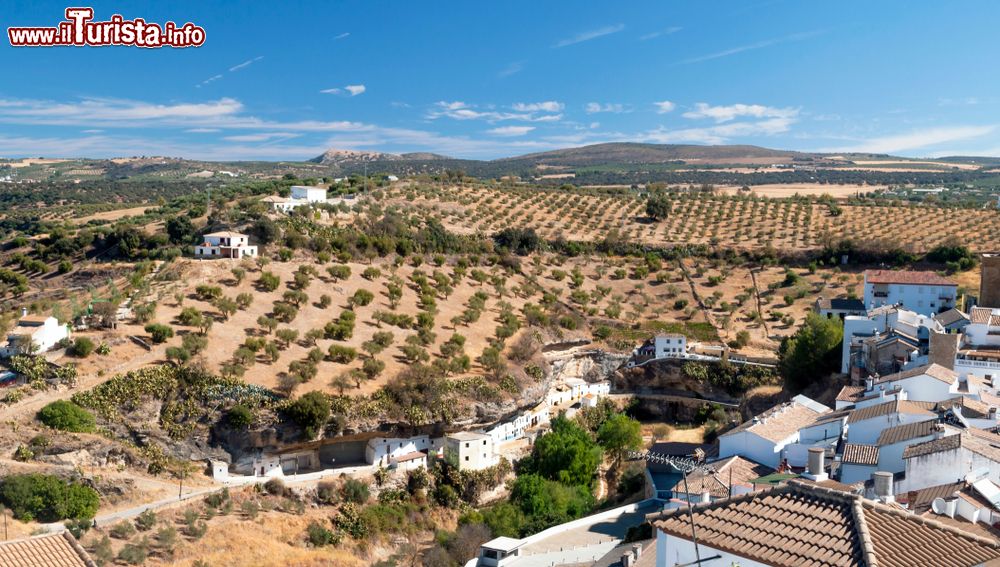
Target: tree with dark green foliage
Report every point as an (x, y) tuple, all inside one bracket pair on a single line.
[(658, 207), (159, 332), (811, 353), (566, 453), (64, 415), (47, 498), (619, 435), (310, 412), (179, 229), (82, 347)]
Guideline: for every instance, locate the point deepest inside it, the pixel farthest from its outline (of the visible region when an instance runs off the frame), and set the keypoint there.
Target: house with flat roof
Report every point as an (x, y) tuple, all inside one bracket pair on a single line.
[(839, 307), (225, 244), (499, 551), (470, 450)]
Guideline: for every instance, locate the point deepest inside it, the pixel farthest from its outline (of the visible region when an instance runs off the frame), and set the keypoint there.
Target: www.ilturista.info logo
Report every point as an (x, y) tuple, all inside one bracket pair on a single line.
[(80, 30)]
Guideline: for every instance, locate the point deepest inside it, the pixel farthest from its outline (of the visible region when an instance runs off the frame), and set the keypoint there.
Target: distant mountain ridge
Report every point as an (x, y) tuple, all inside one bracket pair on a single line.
[(336, 157)]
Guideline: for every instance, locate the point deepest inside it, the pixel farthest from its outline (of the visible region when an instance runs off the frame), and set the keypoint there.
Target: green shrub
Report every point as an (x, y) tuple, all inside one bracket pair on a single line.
[(355, 491), (82, 347), (47, 498), (240, 417), (319, 536), (159, 332), (66, 416)]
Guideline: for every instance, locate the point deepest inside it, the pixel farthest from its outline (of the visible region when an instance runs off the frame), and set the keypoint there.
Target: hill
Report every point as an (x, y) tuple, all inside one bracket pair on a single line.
[(599, 154)]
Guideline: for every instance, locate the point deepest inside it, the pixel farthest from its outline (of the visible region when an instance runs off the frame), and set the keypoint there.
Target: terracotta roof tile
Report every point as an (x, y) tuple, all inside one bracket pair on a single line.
[(980, 315), (906, 278), (802, 524), (905, 432), (737, 469), (52, 550), (978, 441), (933, 370), (779, 422), (895, 406), (858, 454), (850, 393)]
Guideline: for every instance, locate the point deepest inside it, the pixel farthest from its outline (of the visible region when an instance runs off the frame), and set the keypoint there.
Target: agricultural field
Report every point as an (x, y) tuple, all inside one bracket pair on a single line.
[(789, 225)]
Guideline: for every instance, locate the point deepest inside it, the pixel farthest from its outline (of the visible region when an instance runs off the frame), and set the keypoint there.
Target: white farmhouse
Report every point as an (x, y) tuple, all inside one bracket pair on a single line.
[(924, 292), (468, 450), (225, 244), (662, 346), (33, 334), (309, 194), (764, 438)]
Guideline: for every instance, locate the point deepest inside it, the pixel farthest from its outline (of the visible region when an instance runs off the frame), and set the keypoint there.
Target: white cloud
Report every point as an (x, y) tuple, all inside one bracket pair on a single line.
[(511, 130), (202, 130), (726, 113), (349, 90), (511, 69), (526, 112), (751, 46), (917, 139), (546, 106), (612, 107), (123, 113), (245, 64), (664, 106), (211, 79), (342, 35), (589, 35), (261, 137), (656, 34), (718, 134)]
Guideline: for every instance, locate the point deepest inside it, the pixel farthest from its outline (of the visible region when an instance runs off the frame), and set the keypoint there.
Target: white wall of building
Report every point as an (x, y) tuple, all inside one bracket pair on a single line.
[(866, 432), (671, 550), (852, 472), (924, 299), (754, 447), (311, 194), (944, 467), (381, 450)]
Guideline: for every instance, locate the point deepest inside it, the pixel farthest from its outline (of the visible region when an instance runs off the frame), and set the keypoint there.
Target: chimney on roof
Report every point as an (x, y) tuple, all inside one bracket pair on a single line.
[(883, 486), (706, 497), (938, 431), (24, 312), (869, 383), (816, 470), (992, 413)]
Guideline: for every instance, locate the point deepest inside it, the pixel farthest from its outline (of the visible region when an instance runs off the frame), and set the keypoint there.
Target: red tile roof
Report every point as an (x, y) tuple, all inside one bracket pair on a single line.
[(52, 550), (858, 454), (807, 525), (906, 278)]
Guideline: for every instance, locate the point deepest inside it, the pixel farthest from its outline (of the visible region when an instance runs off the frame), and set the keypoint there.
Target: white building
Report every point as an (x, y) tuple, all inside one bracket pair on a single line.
[(300, 195), (499, 552), (811, 524), (929, 383), (950, 458), (839, 307), (979, 349), (662, 346), (865, 425), (468, 450), (765, 437), (382, 450), (34, 334), (225, 244), (924, 292), (409, 461), (858, 462), (865, 333), (309, 194)]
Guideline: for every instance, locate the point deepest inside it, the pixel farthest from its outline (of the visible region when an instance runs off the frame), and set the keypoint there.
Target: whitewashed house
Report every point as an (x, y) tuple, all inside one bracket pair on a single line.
[(300, 195), (804, 523), (34, 334), (409, 461), (225, 244), (469, 450), (951, 457), (929, 383), (380, 451), (858, 462), (979, 350), (892, 442), (662, 346), (923, 292), (764, 438), (866, 424)]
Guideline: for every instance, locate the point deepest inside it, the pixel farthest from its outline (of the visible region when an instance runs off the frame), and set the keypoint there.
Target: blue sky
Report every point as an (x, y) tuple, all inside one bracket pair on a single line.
[(286, 80)]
